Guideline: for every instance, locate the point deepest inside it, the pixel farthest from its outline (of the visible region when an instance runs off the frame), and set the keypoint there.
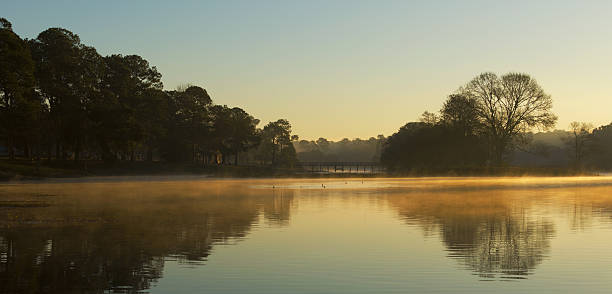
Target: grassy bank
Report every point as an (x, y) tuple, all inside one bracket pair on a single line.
[(21, 169), (28, 170)]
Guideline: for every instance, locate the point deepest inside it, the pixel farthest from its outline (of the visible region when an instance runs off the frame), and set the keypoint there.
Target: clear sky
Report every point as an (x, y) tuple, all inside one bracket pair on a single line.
[(340, 69)]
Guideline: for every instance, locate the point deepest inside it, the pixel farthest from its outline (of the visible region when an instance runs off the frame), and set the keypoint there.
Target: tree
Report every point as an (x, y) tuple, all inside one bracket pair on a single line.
[(5, 24), (190, 124), (356, 150), (507, 106), (18, 104), (68, 75), (461, 112), (135, 106), (429, 118), (276, 143), (577, 141), (243, 134), (600, 151), (423, 146), (57, 92), (323, 144), (154, 111)]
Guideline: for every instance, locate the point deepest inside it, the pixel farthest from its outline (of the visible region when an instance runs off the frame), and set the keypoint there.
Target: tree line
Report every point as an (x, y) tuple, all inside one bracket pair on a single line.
[(345, 150), (589, 147), (479, 125), (60, 99), (489, 122)]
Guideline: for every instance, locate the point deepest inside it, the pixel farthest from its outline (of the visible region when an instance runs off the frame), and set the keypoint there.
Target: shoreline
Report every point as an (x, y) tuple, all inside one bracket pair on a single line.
[(16, 171)]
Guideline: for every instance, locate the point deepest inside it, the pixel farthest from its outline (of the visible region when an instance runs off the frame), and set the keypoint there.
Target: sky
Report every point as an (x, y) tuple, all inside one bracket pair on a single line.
[(348, 69)]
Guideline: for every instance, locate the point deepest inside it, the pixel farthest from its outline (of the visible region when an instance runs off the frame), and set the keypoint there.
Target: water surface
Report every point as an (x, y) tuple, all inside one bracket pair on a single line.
[(197, 235)]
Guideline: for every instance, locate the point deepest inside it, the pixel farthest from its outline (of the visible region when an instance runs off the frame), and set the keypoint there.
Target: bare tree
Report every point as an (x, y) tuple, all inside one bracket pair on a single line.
[(429, 118), (508, 106), (580, 135)]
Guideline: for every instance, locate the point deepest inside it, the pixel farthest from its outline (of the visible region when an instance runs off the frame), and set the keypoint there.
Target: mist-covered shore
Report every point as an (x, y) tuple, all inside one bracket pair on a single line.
[(31, 170)]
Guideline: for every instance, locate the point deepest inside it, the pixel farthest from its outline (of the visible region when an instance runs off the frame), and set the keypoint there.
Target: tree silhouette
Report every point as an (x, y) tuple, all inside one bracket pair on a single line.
[(431, 148), (243, 132), (190, 123), (67, 73), (600, 151), (577, 141), (19, 108), (460, 112), (507, 106), (276, 144), (59, 93)]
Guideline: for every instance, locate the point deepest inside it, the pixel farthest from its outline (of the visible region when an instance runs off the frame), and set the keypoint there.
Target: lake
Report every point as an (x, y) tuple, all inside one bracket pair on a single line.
[(412, 235)]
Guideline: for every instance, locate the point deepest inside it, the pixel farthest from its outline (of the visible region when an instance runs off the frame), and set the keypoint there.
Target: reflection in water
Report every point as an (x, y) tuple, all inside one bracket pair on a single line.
[(99, 236), (119, 236), (585, 206), (506, 245), (490, 232)]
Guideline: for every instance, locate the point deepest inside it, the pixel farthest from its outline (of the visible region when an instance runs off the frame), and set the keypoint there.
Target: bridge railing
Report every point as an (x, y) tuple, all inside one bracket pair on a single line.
[(342, 167)]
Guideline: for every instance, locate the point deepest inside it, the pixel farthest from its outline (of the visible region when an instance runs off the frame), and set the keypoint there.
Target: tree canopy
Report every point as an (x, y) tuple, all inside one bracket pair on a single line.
[(18, 107), (60, 98), (481, 123), (507, 106)]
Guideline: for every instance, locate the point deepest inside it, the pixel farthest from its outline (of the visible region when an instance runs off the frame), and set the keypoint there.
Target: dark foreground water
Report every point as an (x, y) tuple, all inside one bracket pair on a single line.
[(190, 235)]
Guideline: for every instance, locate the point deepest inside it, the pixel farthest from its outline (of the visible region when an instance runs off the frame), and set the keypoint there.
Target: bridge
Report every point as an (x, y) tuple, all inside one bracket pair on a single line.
[(343, 167)]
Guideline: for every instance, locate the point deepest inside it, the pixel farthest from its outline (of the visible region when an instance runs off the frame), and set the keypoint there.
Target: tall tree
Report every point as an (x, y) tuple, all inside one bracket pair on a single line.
[(189, 124), (276, 143), (133, 94), (461, 112), (507, 106), (577, 141), (243, 132), (67, 74), (18, 104), (154, 113)]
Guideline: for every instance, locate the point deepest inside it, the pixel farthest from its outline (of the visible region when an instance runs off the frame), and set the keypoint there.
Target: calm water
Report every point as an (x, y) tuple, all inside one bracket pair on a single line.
[(191, 235)]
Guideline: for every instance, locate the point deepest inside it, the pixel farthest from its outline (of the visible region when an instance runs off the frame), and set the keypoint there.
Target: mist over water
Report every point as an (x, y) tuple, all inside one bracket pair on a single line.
[(186, 235)]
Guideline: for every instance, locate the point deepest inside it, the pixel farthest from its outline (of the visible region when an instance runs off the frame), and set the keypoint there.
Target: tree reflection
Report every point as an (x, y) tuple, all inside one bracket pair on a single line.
[(489, 232), (587, 206), (117, 237)]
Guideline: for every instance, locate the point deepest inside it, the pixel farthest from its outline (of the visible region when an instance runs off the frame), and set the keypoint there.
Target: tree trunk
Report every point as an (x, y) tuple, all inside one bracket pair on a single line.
[(577, 151), (499, 153), (77, 150), (193, 153), (11, 147), (150, 154), (26, 151), (57, 150), (38, 151), (63, 152)]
